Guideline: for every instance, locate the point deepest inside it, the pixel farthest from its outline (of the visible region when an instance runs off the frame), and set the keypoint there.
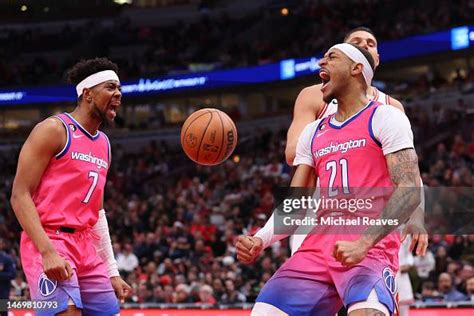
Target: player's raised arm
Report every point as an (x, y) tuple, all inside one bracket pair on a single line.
[(308, 106), (45, 141)]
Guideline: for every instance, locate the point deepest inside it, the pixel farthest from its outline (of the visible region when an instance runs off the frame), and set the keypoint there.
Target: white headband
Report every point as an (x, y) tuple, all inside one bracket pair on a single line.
[(95, 79), (355, 55)]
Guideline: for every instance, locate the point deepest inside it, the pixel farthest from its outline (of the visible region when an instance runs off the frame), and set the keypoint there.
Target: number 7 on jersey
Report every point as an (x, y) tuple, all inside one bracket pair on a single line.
[(95, 177)]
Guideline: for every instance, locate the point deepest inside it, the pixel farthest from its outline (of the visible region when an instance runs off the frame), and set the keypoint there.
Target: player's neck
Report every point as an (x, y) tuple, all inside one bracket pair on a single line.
[(349, 104), (370, 92), (86, 120)]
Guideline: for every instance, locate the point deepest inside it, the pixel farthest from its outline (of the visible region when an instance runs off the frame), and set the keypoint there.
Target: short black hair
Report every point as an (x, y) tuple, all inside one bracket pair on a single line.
[(85, 68), (367, 55), (360, 28)]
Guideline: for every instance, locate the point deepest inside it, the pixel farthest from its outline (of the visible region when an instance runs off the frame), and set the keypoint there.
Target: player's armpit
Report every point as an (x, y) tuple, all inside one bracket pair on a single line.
[(403, 168), (308, 104)]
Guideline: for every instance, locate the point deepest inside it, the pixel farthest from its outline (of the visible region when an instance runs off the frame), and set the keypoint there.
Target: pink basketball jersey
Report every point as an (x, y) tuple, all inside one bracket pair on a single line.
[(71, 189), (352, 147), (350, 164)]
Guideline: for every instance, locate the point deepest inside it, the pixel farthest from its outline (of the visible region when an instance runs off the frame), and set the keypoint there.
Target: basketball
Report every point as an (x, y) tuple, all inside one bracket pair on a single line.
[(208, 136)]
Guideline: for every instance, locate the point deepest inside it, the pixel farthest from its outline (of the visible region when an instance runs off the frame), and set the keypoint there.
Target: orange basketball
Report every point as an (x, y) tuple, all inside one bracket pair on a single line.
[(208, 137)]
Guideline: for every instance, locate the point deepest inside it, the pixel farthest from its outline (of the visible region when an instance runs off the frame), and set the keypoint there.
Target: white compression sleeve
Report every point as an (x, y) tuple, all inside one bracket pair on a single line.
[(103, 244), (267, 233)]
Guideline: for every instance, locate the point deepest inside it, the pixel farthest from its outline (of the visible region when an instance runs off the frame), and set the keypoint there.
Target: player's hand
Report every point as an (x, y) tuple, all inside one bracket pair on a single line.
[(418, 235), (56, 267), (349, 253), (248, 248), (121, 288)]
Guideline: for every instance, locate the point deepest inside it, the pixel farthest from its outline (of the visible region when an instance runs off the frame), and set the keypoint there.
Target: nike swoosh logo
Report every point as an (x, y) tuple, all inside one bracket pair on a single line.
[(77, 136), (317, 135)]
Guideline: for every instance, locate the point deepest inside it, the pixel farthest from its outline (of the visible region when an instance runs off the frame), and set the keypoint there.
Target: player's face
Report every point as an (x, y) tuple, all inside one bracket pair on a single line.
[(106, 98), (335, 71), (366, 40)]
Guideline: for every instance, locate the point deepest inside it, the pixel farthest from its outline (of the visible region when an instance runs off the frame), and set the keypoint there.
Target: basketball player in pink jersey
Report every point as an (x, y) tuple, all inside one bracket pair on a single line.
[(310, 106), (58, 195), (357, 269)]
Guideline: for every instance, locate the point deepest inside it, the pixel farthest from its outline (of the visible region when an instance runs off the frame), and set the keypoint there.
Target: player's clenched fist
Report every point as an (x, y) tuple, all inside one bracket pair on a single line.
[(349, 253), (248, 248)]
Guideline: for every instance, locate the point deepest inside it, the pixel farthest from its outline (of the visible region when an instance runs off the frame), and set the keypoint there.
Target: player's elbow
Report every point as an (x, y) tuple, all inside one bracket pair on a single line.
[(14, 201), (15, 198), (290, 153)]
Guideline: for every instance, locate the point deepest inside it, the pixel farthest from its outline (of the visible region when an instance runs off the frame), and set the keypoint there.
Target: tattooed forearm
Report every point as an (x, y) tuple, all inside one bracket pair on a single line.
[(403, 168)]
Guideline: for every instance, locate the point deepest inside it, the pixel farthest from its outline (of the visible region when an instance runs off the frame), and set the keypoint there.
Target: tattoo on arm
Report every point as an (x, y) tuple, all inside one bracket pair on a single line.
[(405, 175), (403, 167)]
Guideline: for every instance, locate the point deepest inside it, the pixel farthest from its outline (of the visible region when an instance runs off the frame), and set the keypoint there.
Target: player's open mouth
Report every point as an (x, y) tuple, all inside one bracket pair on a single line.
[(325, 78), (112, 109)]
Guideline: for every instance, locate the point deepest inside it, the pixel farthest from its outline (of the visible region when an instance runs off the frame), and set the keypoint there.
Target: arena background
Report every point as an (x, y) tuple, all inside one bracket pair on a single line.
[(174, 223)]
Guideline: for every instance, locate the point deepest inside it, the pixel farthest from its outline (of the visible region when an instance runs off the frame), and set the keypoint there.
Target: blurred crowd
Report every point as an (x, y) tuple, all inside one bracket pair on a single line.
[(174, 224), (37, 56)]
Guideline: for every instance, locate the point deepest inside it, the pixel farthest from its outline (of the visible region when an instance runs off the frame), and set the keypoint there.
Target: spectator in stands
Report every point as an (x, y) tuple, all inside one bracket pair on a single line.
[(468, 252), (145, 293), (457, 248), (459, 79), (206, 295), (127, 261), (463, 275), (158, 295), (231, 295), (181, 294), (19, 287), (7, 271), (218, 288), (429, 293), (445, 287), (424, 265), (470, 288)]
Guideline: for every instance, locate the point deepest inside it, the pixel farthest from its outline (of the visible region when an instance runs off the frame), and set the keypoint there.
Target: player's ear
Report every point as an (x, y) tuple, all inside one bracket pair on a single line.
[(86, 95), (356, 68)]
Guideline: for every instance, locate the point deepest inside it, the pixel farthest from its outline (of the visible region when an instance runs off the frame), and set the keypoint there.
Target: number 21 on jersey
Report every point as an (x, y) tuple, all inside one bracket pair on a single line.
[(338, 169)]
